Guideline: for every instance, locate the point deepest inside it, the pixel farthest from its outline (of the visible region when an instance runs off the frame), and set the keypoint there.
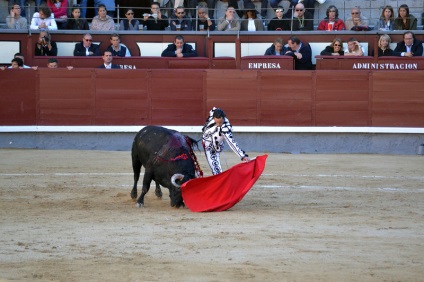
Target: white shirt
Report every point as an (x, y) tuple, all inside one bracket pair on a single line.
[(251, 25), (36, 21)]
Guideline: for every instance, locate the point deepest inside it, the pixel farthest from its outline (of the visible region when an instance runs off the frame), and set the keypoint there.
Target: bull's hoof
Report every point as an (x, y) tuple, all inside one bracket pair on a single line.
[(139, 205), (158, 193), (133, 195)]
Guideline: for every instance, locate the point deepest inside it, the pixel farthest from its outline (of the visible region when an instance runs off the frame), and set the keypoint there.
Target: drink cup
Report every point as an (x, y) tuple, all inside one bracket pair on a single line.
[(201, 27), (178, 26), (330, 27)]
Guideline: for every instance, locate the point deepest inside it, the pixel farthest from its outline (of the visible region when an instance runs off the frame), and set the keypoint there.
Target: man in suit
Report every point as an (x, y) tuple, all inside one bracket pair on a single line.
[(301, 52), (86, 47), (179, 49), (107, 61), (409, 47)]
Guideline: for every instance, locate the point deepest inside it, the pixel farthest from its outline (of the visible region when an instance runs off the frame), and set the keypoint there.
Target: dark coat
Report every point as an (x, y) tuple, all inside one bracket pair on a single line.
[(306, 62), (271, 51), (80, 49), (156, 24), (416, 49), (205, 23), (276, 24), (80, 24), (112, 67), (44, 51), (328, 51), (387, 52), (188, 51), (308, 23)]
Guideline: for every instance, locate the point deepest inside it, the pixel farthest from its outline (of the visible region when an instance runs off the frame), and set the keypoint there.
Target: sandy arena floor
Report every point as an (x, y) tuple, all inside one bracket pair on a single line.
[(68, 216)]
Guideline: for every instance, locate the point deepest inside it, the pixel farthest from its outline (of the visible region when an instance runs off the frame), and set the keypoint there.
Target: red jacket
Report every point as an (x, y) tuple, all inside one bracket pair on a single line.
[(338, 25), (58, 12)]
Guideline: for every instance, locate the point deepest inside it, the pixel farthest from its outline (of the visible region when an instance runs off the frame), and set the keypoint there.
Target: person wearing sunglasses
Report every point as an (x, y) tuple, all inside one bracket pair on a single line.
[(180, 21), (86, 47), (129, 23), (356, 20), (279, 22), (301, 20), (334, 49), (332, 21)]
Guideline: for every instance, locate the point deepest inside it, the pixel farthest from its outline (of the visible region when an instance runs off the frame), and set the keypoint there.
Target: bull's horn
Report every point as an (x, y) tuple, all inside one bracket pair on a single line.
[(175, 177)]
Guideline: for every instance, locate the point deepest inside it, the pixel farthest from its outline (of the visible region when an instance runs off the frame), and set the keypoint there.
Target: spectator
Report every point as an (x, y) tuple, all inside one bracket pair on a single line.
[(250, 21), (59, 9), (43, 19), (86, 47), (21, 56), (116, 48), (264, 6), (52, 63), (357, 20), (203, 19), (387, 19), (45, 46), (405, 21), (14, 20), (354, 48), (229, 22), (384, 46), (279, 22), (179, 49), (102, 21), (17, 63), (332, 21), (108, 4), (301, 52), (107, 61), (180, 21), (129, 23), (302, 20), (22, 3), (276, 49), (75, 22), (409, 47), (155, 21), (335, 48), (308, 4), (219, 6)]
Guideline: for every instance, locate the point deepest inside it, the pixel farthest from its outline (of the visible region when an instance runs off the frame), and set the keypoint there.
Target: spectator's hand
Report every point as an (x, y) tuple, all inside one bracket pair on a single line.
[(42, 25), (69, 67), (298, 55), (145, 17), (159, 15), (12, 13), (409, 54), (35, 67), (356, 21), (335, 54), (64, 17), (2, 68)]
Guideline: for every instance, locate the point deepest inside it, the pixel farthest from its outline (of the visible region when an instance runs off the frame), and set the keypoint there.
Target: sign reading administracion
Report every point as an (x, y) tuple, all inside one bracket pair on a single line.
[(385, 66)]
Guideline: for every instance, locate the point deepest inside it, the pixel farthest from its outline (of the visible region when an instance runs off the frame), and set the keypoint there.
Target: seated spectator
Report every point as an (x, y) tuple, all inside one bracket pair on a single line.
[(203, 19), (384, 46), (405, 21), (409, 47), (180, 21), (301, 52), (109, 5), (86, 47), (155, 21), (301, 20), (354, 48), (129, 23), (52, 63), (229, 21), (179, 49), (357, 20), (75, 22), (21, 4), (59, 9), (335, 48), (250, 21), (117, 48), (276, 49), (102, 21), (107, 61), (387, 19), (264, 6), (220, 6), (279, 22), (43, 19), (45, 46), (17, 63), (14, 20), (332, 21), (308, 4)]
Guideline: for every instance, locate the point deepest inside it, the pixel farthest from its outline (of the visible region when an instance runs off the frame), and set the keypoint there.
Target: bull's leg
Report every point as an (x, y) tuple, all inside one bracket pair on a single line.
[(136, 164), (147, 179), (158, 191)]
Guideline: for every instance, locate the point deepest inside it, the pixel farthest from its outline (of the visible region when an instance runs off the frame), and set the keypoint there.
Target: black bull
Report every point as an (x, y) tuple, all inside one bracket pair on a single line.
[(167, 157)]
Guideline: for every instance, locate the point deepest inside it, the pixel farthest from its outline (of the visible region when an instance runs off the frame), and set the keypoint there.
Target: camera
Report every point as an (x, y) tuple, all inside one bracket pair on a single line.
[(45, 39)]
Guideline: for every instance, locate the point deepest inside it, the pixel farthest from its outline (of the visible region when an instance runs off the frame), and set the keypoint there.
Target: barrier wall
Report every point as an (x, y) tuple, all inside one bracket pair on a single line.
[(184, 97)]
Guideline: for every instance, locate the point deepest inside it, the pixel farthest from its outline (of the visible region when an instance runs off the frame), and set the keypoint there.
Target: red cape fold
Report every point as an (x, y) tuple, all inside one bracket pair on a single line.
[(222, 191)]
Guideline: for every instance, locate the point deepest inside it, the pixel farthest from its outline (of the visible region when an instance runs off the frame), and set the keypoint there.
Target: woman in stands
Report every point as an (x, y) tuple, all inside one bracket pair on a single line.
[(75, 22), (129, 23), (332, 21), (250, 21), (384, 46), (279, 22), (387, 19), (43, 19), (405, 21), (335, 48), (102, 21), (60, 11)]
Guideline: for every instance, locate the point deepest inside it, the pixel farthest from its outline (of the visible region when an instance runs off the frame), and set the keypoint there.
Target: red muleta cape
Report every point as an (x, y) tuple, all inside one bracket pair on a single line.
[(222, 191)]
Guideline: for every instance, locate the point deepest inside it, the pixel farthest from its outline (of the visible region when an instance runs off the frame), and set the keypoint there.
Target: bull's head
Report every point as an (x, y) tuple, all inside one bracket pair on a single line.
[(175, 193)]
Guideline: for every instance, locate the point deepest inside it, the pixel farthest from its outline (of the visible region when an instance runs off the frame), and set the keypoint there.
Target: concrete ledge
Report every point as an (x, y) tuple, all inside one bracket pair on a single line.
[(293, 140)]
